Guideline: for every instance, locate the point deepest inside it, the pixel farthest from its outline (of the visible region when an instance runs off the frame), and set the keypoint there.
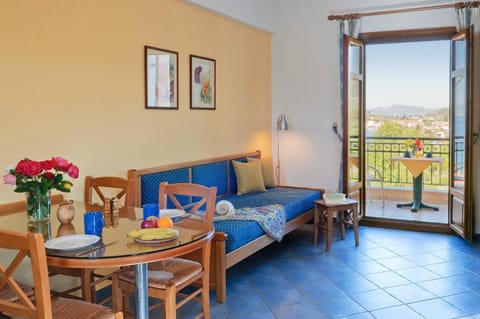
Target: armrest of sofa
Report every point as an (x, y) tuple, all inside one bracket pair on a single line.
[(321, 190)]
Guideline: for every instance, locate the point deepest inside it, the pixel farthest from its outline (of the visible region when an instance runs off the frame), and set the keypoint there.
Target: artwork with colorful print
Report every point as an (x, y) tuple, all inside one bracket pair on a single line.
[(202, 83)]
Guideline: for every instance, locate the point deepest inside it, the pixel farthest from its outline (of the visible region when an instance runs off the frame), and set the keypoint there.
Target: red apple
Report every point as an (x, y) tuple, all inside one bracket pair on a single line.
[(149, 223)]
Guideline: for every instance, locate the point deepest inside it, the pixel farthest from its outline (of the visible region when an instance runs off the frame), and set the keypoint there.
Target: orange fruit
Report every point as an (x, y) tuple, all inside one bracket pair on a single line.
[(164, 222)]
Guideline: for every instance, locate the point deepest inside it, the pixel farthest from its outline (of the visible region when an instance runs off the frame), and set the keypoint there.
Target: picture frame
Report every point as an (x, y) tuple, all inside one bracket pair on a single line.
[(161, 78), (202, 83)]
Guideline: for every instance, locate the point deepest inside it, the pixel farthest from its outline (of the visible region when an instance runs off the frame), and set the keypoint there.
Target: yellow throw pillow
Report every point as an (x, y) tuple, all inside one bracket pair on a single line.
[(249, 177), (267, 170)]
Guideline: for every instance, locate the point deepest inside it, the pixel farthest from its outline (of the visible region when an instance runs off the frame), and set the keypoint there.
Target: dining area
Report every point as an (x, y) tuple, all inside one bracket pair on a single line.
[(93, 242)]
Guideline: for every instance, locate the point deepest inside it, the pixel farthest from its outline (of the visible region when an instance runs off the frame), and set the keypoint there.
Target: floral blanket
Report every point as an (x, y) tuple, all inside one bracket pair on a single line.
[(271, 218)]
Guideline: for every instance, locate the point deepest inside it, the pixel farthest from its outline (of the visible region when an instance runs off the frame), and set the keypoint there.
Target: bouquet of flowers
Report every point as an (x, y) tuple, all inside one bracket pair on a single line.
[(37, 178), (415, 147)]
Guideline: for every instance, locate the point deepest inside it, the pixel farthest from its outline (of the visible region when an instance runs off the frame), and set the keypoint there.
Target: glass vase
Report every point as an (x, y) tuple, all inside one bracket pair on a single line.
[(38, 206)]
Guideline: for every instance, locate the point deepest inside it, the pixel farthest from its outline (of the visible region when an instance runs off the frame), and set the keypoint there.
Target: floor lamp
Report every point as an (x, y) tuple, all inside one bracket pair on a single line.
[(282, 125)]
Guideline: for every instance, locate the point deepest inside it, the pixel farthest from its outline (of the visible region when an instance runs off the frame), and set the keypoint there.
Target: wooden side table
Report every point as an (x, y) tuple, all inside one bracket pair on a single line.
[(323, 218)]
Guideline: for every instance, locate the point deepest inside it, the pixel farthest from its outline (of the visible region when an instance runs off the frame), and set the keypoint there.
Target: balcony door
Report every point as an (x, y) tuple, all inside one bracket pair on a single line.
[(353, 119), (460, 217)]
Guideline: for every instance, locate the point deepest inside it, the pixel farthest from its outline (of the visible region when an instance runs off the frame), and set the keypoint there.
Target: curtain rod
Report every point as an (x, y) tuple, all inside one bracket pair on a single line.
[(471, 4)]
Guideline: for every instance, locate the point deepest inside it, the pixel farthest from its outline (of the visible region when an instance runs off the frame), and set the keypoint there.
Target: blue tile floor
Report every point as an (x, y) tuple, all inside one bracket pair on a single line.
[(392, 274)]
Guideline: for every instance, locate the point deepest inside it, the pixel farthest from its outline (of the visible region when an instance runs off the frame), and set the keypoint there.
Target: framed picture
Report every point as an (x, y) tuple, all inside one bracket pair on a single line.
[(161, 78), (202, 83)]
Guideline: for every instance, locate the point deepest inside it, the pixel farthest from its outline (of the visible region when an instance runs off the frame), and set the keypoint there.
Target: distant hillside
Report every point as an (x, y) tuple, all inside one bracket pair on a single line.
[(399, 110)]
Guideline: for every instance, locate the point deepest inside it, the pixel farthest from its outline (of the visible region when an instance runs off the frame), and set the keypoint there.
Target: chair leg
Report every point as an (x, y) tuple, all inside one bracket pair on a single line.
[(88, 291), (117, 300), (170, 302), (205, 297)]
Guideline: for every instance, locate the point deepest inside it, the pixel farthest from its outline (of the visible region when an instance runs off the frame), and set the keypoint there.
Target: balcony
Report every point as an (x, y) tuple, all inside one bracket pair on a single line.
[(398, 182)]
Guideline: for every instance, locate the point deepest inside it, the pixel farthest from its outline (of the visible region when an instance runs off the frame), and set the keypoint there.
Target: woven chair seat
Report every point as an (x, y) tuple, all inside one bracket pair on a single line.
[(168, 271), (77, 309), (6, 292)]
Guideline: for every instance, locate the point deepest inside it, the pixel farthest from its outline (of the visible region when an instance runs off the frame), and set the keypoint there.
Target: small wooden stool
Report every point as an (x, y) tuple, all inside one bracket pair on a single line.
[(323, 211)]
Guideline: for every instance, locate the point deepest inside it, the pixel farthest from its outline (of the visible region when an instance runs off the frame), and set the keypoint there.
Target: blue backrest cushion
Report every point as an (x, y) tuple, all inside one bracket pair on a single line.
[(213, 174), (150, 184)]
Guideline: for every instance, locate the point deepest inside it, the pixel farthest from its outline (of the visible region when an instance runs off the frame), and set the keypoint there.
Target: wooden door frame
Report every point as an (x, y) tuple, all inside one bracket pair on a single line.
[(347, 189), (397, 36)]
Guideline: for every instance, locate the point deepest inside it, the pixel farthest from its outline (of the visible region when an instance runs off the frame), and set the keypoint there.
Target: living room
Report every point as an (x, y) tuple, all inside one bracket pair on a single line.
[(73, 83)]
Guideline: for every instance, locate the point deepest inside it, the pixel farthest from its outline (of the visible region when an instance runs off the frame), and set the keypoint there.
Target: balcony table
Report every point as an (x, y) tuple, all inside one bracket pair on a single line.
[(194, 232), (416, 166)]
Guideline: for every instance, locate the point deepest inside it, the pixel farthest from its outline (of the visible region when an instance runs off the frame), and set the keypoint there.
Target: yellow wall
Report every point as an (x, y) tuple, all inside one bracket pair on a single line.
[(72, 85)]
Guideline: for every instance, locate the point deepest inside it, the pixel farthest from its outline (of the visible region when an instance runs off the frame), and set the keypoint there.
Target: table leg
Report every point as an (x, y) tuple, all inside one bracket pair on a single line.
[(316, 220), (355, 224), (343, 214), (329, 228), (417, 204), (141, 293)]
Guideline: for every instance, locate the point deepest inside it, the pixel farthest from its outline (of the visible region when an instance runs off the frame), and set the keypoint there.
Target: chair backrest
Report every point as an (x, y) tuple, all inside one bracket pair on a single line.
[(188, 197), (107, 187), (21, 205), (30, 244)]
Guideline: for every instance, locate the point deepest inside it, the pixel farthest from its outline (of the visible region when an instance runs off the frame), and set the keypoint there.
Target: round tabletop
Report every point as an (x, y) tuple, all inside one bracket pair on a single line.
[(115, 248)]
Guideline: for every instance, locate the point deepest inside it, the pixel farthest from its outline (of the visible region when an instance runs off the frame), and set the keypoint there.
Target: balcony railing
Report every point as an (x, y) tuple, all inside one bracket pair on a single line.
[(380, 150)]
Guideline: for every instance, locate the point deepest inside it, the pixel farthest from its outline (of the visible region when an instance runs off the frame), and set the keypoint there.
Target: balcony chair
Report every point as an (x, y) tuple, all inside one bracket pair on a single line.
[(184, 272), (40, 305), (374, 175)]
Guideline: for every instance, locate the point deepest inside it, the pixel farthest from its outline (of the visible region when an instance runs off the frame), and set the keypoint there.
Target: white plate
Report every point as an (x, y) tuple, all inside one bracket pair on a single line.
[(71, 242), (172, 213)]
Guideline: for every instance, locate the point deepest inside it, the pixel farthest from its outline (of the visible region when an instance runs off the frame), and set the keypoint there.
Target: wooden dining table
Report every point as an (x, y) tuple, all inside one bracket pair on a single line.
[(115, 249)]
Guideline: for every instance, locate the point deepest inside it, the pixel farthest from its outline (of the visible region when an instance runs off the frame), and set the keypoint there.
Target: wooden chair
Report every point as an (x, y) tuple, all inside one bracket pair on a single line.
[(98, 186), (87, 275), (104, 185), (181, 272), (41, 305)]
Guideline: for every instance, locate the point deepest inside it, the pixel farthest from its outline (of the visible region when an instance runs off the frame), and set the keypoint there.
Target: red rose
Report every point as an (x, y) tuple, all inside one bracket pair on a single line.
[(49, 175), (48, 164), (61, 163), (72, 171), (29, 168)]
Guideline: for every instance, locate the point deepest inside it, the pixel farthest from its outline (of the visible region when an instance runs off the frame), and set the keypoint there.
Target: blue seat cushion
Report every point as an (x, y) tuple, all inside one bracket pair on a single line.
[(240, 232)]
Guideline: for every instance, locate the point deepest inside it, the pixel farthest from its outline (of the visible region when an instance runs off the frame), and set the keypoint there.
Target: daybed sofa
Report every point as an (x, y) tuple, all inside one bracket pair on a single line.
[(234, 240)]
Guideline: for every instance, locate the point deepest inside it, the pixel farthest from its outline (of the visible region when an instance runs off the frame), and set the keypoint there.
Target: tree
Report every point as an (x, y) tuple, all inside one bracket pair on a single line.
[(394, 129)]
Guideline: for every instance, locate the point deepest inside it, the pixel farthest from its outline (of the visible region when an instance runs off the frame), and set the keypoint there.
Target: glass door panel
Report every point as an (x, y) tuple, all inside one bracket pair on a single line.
[(460, 192), (353, 132)]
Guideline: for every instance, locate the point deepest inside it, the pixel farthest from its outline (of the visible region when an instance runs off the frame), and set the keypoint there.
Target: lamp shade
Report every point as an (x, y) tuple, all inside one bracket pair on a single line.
[(282, 124)]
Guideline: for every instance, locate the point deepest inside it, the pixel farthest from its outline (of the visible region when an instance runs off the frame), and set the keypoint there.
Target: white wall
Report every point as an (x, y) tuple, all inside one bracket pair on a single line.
[(305, 82), (253, 12)]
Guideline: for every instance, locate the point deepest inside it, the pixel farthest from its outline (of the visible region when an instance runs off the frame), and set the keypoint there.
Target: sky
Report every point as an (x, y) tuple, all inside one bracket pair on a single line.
[(409, 73)]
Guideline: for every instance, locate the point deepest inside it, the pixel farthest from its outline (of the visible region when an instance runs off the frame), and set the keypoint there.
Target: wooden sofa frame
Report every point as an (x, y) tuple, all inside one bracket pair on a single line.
[(220, 260)]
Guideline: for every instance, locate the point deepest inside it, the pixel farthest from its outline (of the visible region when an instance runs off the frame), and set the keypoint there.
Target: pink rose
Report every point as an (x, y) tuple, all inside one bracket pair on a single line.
[(72, 171), (61, 163), (29, 168), (9, 179)]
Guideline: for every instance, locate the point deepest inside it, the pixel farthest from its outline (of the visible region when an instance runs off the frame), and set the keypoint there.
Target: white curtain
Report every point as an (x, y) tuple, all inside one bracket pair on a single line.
[(466, 14), (350, 27)]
